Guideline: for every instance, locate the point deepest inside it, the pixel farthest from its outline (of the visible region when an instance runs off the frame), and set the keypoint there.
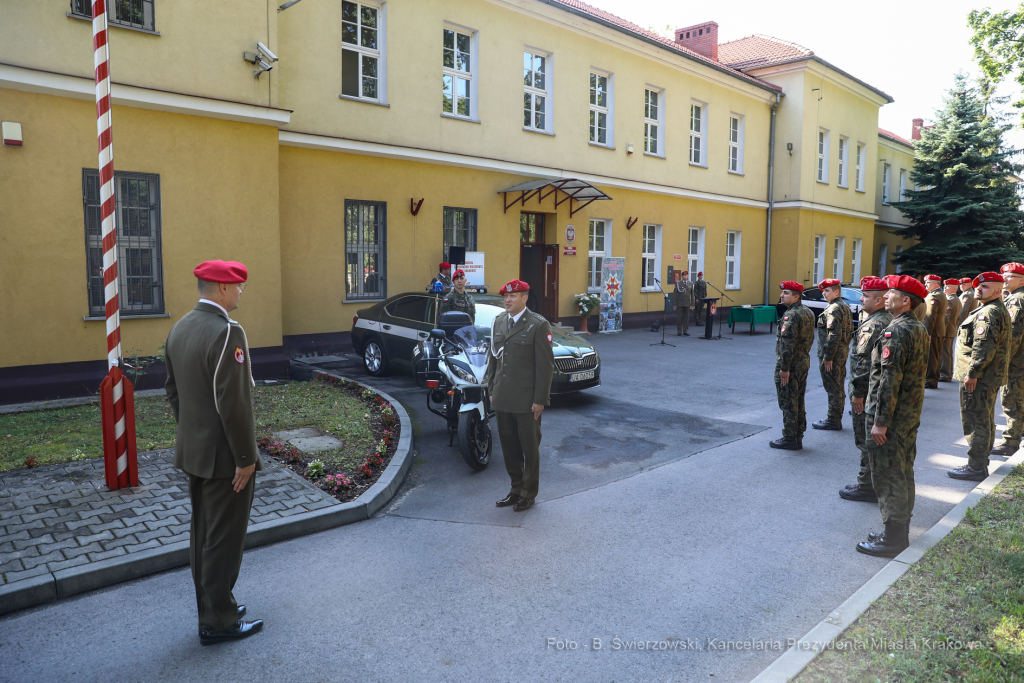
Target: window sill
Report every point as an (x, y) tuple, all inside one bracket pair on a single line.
[(459, 118), (656, 156), (540, 132), (363, 301), (733, 288), (698, 165), (651, 290), (861, 191), (843, 187), (823, 182), (598, 144), (124, 316), (739, 173), (363, 100), (114, 25)]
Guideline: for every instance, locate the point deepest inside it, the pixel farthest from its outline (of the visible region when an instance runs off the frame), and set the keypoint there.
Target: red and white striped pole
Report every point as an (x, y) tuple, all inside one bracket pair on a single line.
[(116, 399)]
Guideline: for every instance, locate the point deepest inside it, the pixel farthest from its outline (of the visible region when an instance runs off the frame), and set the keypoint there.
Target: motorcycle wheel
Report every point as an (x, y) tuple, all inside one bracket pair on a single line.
[(474, 439)]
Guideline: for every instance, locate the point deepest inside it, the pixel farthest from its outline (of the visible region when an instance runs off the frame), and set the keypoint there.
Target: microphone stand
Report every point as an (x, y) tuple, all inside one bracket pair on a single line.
[(724, 296), (664, 313)]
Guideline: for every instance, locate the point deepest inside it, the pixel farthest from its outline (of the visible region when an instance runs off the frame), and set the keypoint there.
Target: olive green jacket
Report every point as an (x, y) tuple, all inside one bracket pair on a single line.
[(683, 294), (209, 385), (953, 307), (861, 346), (935, 313), (983, 347), (899, 362), (521, 364)]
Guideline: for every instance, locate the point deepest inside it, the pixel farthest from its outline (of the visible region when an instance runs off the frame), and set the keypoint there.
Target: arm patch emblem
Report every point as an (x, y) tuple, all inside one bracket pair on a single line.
[(886, 352)]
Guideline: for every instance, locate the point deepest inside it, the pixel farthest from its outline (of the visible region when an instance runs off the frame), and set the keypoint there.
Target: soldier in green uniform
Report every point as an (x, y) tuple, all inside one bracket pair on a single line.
[(519, 378), (792, 362), (953, 306), (835, 328), (459, 299), (700, 291), (872, 301), (209, 385), (1012, 396), (983, 349), (935, 322), (967, 302), (899, 363), (682, 299), (442, 282)]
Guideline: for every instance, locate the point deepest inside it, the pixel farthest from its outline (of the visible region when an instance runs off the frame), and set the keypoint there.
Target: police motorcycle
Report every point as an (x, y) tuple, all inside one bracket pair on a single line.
[(451, 365)]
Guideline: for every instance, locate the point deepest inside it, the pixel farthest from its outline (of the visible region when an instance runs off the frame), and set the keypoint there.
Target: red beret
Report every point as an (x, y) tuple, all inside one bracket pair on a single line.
[(222, 272), (514, 286), (965, 281), (828, 282), (791, 286), (873, 284), (987, 277), (907, 285), (686, 272), (1015, 268), (933, 278), (700, 273), (458, 273), (444, 265), (952, 281)]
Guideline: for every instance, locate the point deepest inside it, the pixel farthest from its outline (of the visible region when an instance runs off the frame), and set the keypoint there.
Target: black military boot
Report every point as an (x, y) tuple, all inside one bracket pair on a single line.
[(890, 543), (833, 425), (1004, 451), (859, 492), (968, 473), (786, 444)]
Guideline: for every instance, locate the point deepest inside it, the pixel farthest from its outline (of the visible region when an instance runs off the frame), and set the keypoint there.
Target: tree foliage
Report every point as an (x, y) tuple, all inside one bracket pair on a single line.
[(998, 42)]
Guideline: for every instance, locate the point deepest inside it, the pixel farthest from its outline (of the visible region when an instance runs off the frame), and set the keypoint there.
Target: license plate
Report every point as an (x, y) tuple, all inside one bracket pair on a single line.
[(580, 376)]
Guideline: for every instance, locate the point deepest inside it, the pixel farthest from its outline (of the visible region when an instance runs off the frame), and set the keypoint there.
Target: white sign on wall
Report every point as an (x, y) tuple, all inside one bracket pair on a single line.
[(474, 267)]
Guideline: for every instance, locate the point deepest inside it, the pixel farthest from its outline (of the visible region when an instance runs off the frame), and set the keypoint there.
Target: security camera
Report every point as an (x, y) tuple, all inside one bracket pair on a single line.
[(261, 66), (265, 51)]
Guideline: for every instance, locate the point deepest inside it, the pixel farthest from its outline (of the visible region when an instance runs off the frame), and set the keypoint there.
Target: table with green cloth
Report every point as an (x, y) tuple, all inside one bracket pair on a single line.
[(753, 315)]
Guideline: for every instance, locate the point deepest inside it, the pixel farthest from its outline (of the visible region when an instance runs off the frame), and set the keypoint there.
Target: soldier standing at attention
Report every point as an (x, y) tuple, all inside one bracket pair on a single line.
[(899, 363), (935, 322), (835, 327), (682, 299), (967, 302), (700, 291), (792, 362), (953, 307), (459, 299), (444, 277), (209, 385), (1012, 396), (982, 352), (519, 372), (872, 301)]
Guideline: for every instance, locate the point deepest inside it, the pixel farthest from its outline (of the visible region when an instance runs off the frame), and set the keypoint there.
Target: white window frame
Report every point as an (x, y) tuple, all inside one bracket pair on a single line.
[(608, 110), (646, 256), (698, 119), (886, 184), (822, 147), (735, 259), (695, 251), (737, 123), (883, 259), (546, 92), (597, 253), (658, 121), (454, 73), (380, 54), (838, 257), (903, 184), (819, 249), (843, 156), (855, 259), (861, 153)]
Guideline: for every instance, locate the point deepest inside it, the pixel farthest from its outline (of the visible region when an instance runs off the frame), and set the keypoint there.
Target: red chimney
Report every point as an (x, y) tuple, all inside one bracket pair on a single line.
[(701, 38), (916, 133)]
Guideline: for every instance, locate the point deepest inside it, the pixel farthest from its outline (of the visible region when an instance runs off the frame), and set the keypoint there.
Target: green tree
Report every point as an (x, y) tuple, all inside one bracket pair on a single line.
[(998, 42), (965, 213)]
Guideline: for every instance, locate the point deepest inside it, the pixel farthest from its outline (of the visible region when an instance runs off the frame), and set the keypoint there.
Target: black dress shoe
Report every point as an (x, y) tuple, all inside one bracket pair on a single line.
[(1003, 450), (686, 334), (511, 499), (890, 543), (932, 386), (829, 425), (859, 492), (241, 611), (968, 473), (242, 629), (523, 504), (786, 444)]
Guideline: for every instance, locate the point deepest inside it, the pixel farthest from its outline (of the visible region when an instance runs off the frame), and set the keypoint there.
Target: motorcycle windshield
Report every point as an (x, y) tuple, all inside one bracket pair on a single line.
[(475, 341)]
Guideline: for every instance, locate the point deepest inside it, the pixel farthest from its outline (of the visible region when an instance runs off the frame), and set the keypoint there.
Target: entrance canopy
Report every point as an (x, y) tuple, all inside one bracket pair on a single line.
[(578, 192)]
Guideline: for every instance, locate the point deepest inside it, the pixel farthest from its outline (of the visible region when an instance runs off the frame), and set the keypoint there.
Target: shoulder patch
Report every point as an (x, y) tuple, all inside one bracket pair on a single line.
[(886, 352), (239, 354), (979, 330), (549, 337), (888, 334)]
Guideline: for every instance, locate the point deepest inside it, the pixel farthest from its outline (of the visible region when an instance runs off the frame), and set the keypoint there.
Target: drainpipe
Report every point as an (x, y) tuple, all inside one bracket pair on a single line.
[(771, 201)]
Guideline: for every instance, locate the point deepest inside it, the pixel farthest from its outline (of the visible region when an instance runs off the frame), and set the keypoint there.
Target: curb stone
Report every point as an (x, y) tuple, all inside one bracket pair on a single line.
[(794, 660), (63, 583)]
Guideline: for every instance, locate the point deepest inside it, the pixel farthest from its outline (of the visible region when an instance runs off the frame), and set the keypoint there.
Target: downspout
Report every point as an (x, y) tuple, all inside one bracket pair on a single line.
[(771, 201)]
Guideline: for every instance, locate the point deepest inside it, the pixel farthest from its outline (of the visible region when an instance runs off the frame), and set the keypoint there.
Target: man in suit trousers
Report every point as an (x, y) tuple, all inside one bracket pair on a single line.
[(682, 299), (209, 385), (519, 376)]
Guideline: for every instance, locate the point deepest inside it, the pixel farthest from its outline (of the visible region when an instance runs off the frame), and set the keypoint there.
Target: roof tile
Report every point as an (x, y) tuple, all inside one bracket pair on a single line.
[(759, 50), (895, 138)]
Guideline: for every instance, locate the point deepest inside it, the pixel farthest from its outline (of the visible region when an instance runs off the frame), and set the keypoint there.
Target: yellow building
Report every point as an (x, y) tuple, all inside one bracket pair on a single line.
[(895, 161)]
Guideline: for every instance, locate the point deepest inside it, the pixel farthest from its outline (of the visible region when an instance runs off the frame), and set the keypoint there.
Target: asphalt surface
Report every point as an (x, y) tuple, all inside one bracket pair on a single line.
[(663, 521)]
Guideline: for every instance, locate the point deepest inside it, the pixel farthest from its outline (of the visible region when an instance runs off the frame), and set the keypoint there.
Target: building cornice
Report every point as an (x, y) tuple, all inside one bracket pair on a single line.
[(887, 224), (824, 208), (870, 93)]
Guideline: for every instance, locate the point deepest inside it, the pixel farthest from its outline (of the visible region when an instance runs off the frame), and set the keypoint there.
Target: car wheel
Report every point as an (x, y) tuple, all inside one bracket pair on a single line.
[(375, 360)]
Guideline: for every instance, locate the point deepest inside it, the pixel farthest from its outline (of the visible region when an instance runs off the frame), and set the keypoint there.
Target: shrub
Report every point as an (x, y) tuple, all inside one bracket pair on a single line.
[(316, 469), (335, 483)]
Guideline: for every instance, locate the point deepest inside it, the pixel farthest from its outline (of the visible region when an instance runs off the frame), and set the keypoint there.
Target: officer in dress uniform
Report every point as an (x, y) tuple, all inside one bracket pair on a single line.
[(700, 291), (872, 301), (953, 307), (983, 349), (682, 299), (899, 362), (835, 327), (792, 362), (967, 302), (935, 322), (209, 385), (442, 282), (1012, 395), (519, 375), (459, 299)]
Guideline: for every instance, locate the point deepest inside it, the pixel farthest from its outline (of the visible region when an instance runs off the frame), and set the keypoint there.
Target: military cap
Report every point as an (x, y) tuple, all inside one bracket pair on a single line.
[(700, 273), (791, 286), (1015, 268), (907, 285), (952, 281), (873, 284), (686, 272), (444, 265), (828, 282), (965, 280), (458, 273), (514, 286), (222, 272), (987, 277), (933, 278)]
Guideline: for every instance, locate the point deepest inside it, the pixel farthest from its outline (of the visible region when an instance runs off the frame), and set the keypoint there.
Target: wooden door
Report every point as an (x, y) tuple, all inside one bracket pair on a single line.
[(549, 297)]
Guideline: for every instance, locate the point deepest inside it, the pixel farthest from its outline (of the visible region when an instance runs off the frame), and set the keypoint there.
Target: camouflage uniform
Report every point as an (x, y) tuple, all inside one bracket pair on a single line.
[(1012, 396), (899, 361), (983, 349), (835, 327), (459, 302), (793, 354), (935, 322), (953, 307), (700, 291), (860, 371)]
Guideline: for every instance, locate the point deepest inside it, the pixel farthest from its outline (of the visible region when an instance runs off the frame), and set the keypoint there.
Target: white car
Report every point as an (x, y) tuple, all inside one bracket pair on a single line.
[(813, 299)]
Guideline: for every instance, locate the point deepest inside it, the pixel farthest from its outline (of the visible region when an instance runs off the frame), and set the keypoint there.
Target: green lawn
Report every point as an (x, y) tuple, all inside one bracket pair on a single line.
[(958, 614)]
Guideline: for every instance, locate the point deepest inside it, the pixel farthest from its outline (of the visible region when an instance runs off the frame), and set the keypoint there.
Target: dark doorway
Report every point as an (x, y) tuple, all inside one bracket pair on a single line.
[(538, 265)]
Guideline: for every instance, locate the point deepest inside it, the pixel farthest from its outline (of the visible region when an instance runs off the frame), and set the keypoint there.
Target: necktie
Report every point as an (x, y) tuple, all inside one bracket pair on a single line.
[(510, 324)]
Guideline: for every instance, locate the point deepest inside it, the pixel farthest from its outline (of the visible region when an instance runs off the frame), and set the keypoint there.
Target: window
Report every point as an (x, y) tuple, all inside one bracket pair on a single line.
[(903, 184), (531, 228), (899, 267), (698, 133), (409, 308), (602, 129), (823, 143), (735, 144), (365, 249), (654, 107), (819, 247), (860, 167), (650, 262), (838, 256), (844, 161), (886, 172), (695, 252), (733, 238), (459, 74), (600, 246), (536, 83), (858, 245), (883, 259), (139, 259), (133, 13), (459, 229), (362, 38)]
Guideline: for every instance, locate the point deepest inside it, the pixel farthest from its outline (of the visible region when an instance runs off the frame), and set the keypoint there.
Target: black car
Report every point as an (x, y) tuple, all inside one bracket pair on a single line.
[(813, 299)]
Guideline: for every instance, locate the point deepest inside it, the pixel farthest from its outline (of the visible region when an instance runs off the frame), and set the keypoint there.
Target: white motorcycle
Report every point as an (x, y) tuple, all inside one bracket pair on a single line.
[(451, 364)]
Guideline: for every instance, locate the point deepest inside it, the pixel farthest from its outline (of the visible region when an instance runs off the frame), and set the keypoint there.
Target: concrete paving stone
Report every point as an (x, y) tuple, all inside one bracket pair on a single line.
[(134, 528), (94, 547), (165, 498), (102, 536), (154, 543), (254, 519), (21, 545), (6, 547), (178, 510), (264, 509), (113, 524), (105, 510), (30, 562), (268, 500), (13, 512), (149, 507), (64, 544), (322, 503), (149, 535), (120, 517), (106, 554), (78, 523), (11, 520), (167, 540), (43, 531), (14, 565), (11, 577), (14, 537), (64, 496), (159, 524), (120, 542), (64, 535), (57, 566), (59, 505), (118, 507), (289, 513), (29, 517), (179, 495), (10, 529)]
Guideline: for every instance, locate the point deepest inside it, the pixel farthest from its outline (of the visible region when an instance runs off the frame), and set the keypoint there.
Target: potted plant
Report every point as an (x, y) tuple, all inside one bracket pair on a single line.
[(586, 302)]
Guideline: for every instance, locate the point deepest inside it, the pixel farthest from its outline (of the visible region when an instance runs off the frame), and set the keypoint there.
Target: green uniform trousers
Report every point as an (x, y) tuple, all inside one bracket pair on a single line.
[(220, 518), (682, 319), (835, 386), (791, 402), (978, 415), (946, 369), (520, 444), (698, 310), (892, 475), (861, 433), (1012, 398), (934, 360)]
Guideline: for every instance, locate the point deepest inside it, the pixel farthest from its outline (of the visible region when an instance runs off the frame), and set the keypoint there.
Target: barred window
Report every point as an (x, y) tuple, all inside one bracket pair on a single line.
[(137, 220), (365, 249), (134, 13), (459, 229)]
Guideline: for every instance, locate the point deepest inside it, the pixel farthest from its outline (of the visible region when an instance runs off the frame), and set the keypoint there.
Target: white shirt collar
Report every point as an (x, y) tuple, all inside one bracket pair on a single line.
[(214, 303), (515, 318)]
